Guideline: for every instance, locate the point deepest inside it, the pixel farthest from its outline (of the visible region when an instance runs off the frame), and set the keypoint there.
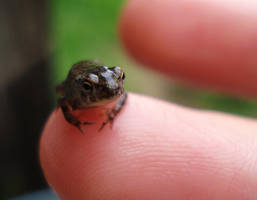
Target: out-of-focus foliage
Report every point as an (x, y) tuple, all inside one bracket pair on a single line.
[(85, 29)]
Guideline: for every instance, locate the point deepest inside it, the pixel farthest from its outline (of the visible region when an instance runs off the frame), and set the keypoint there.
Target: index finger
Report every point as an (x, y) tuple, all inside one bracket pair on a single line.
[(155, 150), (211, 43)]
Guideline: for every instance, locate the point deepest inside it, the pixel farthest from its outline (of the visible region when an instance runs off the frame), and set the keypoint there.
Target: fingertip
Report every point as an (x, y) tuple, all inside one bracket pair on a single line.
[(154, 151), (68, 156), (210, 44)]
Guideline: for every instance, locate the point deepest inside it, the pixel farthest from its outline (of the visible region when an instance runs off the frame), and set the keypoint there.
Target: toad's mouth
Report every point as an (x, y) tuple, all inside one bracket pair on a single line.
[(104, 101)]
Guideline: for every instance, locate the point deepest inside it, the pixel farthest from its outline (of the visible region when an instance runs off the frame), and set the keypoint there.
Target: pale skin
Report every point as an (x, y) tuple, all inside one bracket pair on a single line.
[(157, 150)]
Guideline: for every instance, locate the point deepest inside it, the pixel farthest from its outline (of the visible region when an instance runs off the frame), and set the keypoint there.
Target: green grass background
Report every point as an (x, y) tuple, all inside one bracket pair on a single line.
[(83, 29)]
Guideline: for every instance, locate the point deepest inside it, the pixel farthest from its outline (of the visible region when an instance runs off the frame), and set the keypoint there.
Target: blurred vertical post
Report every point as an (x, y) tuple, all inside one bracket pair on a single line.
[(25, 99)]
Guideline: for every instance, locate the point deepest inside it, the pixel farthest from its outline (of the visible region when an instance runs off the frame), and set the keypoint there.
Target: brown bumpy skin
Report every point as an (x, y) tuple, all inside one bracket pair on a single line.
[(90, 84)]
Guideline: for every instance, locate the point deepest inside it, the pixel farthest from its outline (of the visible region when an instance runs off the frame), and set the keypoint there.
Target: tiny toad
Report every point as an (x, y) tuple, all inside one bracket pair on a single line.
[(91, 84)]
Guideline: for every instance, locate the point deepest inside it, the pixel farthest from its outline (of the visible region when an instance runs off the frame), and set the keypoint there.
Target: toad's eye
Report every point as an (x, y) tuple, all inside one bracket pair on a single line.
[(87, 86), (122, 76)]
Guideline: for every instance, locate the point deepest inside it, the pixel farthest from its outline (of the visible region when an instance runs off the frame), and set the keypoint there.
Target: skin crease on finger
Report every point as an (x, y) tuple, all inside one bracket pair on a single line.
[(155, 150), (208, 43)]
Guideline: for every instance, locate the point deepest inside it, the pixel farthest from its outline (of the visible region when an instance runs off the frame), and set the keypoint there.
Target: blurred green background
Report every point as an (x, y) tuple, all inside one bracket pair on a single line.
[(85, 29)]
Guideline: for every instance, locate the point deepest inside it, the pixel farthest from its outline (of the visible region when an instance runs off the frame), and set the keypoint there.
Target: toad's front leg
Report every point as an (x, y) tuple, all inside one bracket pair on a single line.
[(111, 114), (67, 113)]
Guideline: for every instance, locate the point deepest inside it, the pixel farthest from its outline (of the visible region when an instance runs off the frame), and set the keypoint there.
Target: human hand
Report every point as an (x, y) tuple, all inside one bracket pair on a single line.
[(157, 150)]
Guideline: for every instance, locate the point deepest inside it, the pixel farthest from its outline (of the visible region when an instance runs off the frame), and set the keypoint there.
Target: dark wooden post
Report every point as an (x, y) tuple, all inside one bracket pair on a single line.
[(24, 93)]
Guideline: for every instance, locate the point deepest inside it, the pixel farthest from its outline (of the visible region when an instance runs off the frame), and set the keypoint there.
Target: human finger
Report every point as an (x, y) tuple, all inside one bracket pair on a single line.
[(210, 44), (155, 150)]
